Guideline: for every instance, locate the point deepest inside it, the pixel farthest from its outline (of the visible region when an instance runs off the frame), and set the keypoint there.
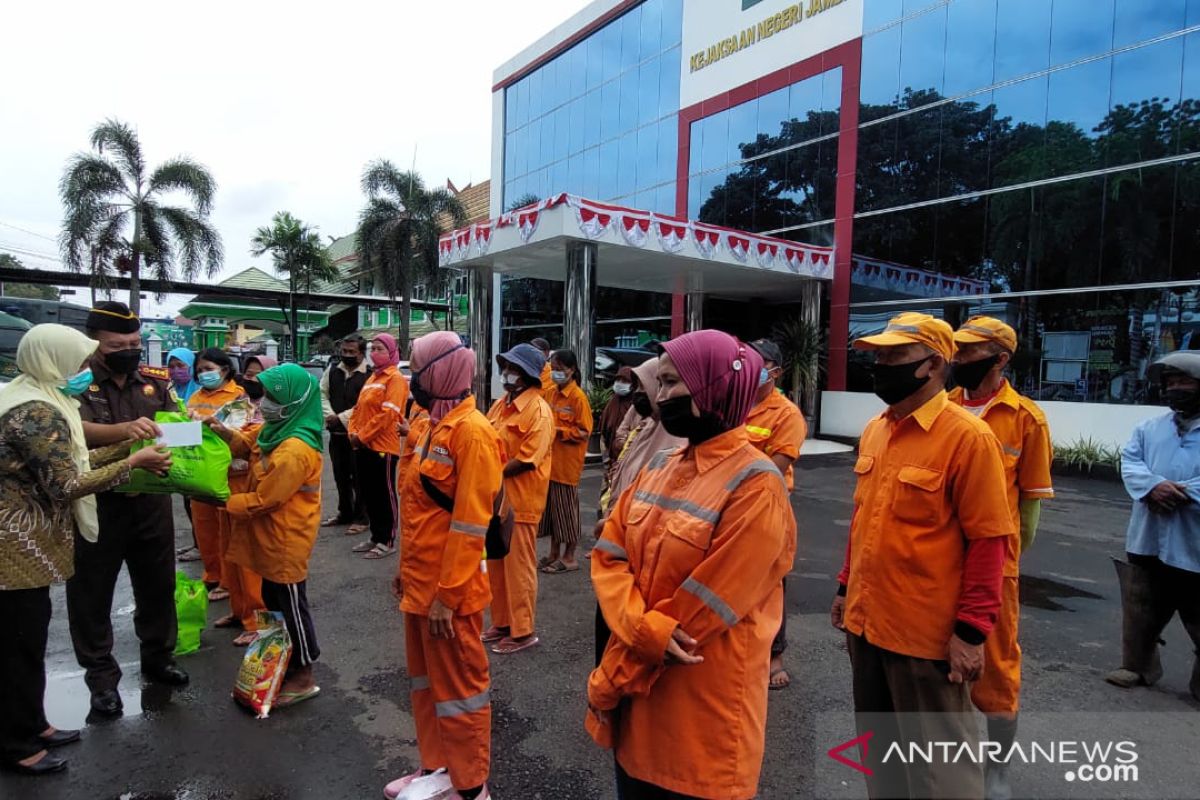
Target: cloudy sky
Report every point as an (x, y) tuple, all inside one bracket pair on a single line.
[(283, 101)]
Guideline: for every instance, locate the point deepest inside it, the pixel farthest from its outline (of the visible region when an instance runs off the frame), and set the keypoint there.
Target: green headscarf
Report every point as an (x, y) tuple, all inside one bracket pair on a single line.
[(291, 386)]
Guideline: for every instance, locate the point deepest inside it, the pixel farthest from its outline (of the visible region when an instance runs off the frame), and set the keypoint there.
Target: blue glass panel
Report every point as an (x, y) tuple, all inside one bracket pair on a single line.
[(880, 84), (712, 202), (509, 194), (562, 132), (558, 177), (592, 115), (1022, 38), (610, 110), (641, 201), (651, 28), (631, 38), (1193, 12), (523, 103), (664, 199), (1190, 140), (629, 101), (577, 66), (804, 98), (627, 163), (576, 126), (695, 147), (923, 53), (831, 90), (773, 111), (611, 49), (1136, 22), (510, 108), (510, 157), (913, 6), (1023, 102), (536, 104), (562, 80), (716, 134), (575, 175), (648, 87), (672, 22), (595, 59), (647, 156), (668, 148), (693, 209), (743, 130), (1078, 103), (591, 173), (1147, 73), (880, 12), (1019, 132), (545, 141), (1080, 28), (519, 142), (668, 95), (970, 45)]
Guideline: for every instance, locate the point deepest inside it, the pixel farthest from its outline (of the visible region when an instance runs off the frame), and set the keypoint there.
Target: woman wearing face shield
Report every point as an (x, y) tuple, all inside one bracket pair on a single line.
[(688, 574), (280, 511)]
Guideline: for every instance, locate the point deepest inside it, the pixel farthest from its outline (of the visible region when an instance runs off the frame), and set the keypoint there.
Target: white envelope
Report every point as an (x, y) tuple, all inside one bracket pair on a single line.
[(180, 434)]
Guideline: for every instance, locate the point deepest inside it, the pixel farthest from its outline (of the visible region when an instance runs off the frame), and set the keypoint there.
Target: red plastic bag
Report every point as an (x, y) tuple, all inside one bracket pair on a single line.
[(264, 665)]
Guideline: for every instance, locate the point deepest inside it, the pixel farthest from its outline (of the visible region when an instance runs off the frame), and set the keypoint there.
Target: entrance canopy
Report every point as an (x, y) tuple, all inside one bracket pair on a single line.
[(637, 250)]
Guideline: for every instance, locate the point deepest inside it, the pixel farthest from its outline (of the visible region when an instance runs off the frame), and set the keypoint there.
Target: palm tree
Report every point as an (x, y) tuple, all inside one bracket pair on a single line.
[(103, 192), (297, 252), (398, 231)]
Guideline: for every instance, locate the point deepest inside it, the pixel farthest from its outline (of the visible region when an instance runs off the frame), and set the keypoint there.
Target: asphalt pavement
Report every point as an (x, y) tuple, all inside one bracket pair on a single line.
[(196, 744)]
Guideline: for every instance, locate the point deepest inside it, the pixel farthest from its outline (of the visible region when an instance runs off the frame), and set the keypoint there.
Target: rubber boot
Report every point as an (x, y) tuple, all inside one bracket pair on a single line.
[(1144, 615), (996, 784)]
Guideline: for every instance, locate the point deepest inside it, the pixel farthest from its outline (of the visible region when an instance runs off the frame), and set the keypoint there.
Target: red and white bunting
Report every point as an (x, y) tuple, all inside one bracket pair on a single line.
[(592, 224), (738, 246), (671, 237), (765, 254), (793, 258), (706, 241), (483, 238), (527, 222), (635, 230)]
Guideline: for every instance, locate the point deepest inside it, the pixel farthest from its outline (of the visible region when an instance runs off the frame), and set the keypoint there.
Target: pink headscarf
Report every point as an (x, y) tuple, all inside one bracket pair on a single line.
[(446, 370), (720, 372), (388, 341), (266, 362)]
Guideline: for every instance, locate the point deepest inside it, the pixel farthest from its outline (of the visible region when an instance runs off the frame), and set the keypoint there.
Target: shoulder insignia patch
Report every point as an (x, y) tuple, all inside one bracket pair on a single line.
[(154, 372)]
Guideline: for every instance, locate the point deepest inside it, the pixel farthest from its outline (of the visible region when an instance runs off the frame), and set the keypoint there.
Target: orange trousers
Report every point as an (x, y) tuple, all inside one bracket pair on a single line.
[(206, 524), (244, 585), (451, 698), (998, 689), (515, 583)]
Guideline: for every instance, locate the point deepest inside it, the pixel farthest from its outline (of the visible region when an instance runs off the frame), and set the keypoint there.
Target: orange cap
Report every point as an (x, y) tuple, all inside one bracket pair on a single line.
[(987, 329), (912, 328)]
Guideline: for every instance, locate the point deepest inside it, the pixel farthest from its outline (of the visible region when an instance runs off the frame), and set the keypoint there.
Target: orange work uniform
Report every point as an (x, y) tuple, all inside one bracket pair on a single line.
[(701, 540), (380, 410), (441, 556), (777, 428), (573, 427), (281, 510), (547, 381), (927, 485), (526, 429), (244, 584), (206, 519), (1027, 453)]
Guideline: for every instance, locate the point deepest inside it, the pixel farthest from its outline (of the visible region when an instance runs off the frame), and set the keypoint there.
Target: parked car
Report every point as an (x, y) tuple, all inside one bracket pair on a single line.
[(610, 359), (12, 328)]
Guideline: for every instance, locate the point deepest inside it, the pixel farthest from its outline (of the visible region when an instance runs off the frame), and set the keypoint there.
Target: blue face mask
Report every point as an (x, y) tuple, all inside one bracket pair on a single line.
[(209, 380), (764, 375), (78, 383)]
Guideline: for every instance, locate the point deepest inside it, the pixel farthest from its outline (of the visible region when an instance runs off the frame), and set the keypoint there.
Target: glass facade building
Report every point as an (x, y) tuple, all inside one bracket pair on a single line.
[(1047, 151)]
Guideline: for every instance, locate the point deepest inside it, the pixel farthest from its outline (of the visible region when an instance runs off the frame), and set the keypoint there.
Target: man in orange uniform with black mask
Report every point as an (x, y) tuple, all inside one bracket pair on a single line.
[(920, 589), (985, 348)]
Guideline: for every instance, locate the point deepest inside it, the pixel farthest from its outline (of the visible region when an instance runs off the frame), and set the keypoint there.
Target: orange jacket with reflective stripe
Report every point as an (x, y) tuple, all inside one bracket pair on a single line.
[(526, 428), (281, 511), (572, 426), (777, 427), (700, 540), (205, 402), (379, 410), (441, 555), (1024, 437), (927, 485)]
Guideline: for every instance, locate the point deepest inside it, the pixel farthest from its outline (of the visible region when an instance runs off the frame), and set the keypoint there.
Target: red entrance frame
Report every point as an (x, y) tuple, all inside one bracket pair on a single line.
[(848, 56)]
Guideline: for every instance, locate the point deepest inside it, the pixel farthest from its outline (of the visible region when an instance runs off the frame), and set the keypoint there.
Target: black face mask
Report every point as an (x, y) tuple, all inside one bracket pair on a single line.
[(252, 388), (351, 362), (971, 374), (678, 420), (641, 404), (422, 396), (123, 362), (1183, 402), (895, 382)]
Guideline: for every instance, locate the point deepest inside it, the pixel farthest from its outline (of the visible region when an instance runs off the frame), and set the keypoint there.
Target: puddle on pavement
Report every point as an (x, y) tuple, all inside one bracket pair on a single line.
[(68, 701), (1042, 593)]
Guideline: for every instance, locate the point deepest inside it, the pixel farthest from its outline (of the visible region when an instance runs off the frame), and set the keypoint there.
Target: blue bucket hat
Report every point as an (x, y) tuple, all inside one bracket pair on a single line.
[(526, 358)]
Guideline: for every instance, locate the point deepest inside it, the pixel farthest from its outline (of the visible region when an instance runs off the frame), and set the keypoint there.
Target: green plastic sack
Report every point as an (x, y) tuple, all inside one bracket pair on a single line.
[(200, 471), (191, 611)]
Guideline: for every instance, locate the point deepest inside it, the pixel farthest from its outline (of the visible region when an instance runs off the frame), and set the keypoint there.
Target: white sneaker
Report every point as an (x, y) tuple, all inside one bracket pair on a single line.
[(434, 786)]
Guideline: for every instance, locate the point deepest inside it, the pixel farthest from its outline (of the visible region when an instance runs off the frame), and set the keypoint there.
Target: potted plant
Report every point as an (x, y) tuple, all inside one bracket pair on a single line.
[(802, 342), (598, 398)]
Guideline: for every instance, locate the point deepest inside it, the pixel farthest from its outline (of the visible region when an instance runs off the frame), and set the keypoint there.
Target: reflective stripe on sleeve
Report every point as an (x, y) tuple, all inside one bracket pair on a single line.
[(710, 599), (679, 504), (468, 529), (613, 549), (752, 468)]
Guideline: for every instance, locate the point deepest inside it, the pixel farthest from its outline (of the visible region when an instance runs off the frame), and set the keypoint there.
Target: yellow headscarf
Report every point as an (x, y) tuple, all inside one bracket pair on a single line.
[(47, 356)]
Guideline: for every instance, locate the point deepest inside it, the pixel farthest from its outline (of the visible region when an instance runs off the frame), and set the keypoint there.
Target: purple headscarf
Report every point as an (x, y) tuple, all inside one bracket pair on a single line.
[(719, 371)]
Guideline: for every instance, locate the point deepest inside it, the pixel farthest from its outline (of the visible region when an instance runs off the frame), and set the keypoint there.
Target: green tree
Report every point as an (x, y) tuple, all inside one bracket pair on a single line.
[(109, 190), (522, 201), (398, 231), (297, 253), (33, 291)]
